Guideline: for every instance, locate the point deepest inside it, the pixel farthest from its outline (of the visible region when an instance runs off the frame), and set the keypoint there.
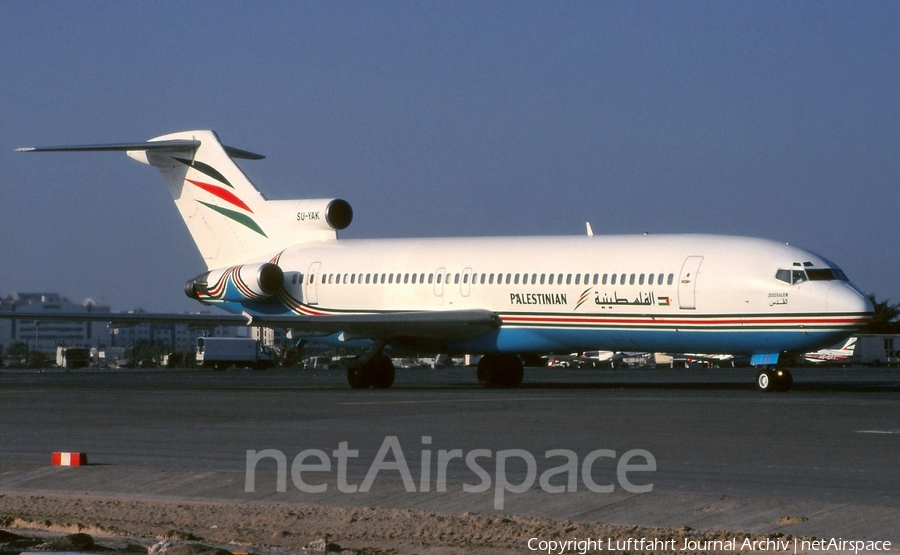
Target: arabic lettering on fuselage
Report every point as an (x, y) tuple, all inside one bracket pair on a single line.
[(642, 299)]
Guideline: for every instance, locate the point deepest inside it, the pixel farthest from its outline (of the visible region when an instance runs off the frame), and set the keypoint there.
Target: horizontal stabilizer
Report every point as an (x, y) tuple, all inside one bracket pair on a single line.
[(178, 144), (170, 145)]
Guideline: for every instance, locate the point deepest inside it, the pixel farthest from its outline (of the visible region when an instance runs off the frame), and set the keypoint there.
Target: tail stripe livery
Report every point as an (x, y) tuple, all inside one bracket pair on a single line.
[(242, 219), (221, 193), (205, 168)]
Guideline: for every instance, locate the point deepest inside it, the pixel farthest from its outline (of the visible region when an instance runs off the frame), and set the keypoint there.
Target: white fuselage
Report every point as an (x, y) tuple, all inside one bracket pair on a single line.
[(677, 293)]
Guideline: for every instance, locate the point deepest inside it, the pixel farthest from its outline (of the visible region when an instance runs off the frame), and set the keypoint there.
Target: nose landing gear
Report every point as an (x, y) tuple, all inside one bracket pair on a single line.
[(774, 379)]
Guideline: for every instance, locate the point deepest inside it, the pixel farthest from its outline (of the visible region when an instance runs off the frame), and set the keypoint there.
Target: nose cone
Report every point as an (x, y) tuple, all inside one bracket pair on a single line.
[(844, 298)]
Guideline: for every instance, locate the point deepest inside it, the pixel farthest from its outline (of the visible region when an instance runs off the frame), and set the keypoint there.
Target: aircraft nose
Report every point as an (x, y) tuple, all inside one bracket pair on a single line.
[(845, 298)]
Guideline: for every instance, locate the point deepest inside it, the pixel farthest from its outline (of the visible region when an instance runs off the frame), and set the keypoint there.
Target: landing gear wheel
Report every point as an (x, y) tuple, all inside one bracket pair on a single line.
[(500, 371), (378, 372), (486, 369), (382, 372), (783, 380), (358, 377), (765, 380)]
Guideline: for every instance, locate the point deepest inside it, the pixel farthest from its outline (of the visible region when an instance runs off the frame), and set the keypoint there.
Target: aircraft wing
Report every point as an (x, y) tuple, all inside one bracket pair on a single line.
[(448, 324), (452, 324)]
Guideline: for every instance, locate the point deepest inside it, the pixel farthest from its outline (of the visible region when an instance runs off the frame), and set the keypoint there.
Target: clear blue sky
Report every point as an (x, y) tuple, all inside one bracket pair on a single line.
[(772, 119)]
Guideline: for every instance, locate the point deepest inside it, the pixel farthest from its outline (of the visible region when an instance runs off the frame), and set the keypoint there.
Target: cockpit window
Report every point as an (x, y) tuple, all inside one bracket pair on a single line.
[(795, 276), (827, 274)]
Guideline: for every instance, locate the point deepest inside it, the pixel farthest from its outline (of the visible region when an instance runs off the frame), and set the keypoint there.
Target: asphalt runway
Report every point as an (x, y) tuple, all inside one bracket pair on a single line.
[(819, 460)]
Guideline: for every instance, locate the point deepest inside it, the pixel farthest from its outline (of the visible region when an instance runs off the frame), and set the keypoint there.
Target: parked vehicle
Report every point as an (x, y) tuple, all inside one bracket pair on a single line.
[(73, 357), (221, 352)]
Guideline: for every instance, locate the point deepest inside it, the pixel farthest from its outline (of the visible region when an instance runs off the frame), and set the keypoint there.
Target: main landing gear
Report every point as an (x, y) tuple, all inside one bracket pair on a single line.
[(377, 372), (774, 379), (500, 370)]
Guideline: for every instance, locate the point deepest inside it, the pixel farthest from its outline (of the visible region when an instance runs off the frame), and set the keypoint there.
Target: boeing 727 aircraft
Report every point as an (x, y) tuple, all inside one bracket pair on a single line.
[(280, 263)]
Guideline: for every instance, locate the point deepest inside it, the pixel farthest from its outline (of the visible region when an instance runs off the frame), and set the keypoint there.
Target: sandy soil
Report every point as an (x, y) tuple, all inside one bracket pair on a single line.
[(282, 528)]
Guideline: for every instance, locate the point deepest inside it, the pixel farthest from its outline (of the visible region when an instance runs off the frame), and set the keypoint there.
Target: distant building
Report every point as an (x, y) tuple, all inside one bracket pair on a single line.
[(180, 338), (45, 336)]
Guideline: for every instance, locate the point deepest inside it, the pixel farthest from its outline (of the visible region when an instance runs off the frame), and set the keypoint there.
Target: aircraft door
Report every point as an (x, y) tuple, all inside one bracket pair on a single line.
[(312, 282), (439, 276), (687, 282), (465, 286)]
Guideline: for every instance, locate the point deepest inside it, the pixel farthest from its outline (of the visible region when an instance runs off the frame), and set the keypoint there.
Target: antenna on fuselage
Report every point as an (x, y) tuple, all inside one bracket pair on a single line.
[(590, 230)]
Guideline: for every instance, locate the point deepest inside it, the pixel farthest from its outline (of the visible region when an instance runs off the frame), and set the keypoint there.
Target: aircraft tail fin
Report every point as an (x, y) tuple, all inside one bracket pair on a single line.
[(230, 221), (850, 345)]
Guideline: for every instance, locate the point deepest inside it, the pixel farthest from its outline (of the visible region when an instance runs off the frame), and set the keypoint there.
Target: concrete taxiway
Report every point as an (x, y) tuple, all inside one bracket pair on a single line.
[(817, 461)]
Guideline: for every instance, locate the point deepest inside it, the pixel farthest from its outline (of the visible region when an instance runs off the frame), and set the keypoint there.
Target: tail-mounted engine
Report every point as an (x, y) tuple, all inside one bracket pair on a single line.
[(249, 282), (334, 214), (302, 221)]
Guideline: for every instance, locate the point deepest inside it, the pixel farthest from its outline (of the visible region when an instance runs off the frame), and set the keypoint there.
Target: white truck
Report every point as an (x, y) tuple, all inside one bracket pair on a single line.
[(73, 357), (876, 349), (221, 352)]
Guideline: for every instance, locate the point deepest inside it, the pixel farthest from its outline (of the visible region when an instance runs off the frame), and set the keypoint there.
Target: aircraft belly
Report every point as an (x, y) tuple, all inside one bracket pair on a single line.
[(737, 342)]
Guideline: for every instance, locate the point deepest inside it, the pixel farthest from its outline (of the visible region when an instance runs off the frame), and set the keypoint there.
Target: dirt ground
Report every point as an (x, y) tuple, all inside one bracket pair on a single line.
[(282, 528)]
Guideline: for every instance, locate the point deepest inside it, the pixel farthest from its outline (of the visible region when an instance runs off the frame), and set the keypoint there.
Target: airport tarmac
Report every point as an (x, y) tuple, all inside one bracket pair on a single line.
[(714, 453)]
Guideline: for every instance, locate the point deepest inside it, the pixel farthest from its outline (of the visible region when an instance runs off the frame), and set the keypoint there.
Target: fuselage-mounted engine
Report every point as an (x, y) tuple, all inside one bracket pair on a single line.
[(248, 282)]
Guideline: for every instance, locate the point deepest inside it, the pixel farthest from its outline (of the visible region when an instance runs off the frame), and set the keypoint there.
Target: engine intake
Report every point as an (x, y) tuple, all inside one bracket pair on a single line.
[(334, 214), (249, 282), (338, 214)]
